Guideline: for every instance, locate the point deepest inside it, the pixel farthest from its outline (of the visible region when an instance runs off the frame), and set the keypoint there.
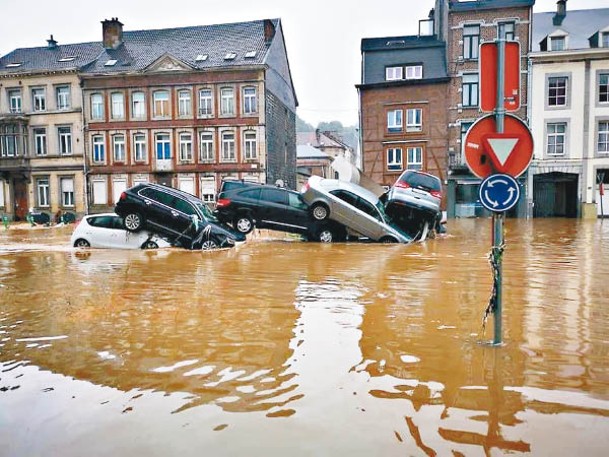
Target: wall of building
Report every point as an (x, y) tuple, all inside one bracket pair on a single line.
[(281, 142)]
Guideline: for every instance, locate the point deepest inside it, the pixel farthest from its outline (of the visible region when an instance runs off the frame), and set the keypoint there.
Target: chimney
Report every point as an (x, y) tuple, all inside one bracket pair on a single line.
[(113, 33), (269, 31), (51, 43), (561, 12)]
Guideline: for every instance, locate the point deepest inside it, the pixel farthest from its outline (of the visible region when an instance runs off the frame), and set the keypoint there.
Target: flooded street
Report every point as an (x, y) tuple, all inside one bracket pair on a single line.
[(281, 347)]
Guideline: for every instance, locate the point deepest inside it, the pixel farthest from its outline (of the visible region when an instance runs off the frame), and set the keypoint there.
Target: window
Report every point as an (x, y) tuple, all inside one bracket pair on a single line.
[(205, 102), (556, 139), (62, 94), (118, 148), (99, 149), (414, 160), (557, 43), (394, 73), (118, 105), (471, 41), (14, 99), (65, 140), (557, 91), (40, 141), (228, 147), (139, 146), (138, 105), (605, 39), (414, 120), (163, 146), (185, 147), (470, 90), (208, 188), (394, 120), (206, 147), (250, 145), (161, 103), (506, 29), (39, 99), (100, 193), (227, 101), (97, 107), (42, 192), (414, 72), (394, 159), (118, 187), (603, 137), (603, 88), (8, 143), (184, 103), (250, 100), (67, 192)]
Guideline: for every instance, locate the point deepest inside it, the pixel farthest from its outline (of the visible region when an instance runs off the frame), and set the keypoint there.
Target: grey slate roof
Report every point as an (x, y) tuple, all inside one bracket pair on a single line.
[(143, 47), (379, 53), (305, 151), (489, 4), (579, 24)]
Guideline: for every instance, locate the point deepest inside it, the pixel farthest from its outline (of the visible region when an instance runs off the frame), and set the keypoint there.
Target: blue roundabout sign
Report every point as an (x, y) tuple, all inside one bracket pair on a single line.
[(499, 193)]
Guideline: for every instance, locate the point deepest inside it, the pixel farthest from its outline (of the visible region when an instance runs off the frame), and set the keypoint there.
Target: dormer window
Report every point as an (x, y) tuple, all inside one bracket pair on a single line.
[(394, 73), (13, 65), (110, 63), (605, 39), (67, 59), (201, 58), (250, 54), (414, 72), (230, 56), (558, 43)]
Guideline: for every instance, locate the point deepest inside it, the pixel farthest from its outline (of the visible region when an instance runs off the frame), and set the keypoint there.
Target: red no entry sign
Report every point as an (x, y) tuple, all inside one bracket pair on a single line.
[(488, 152)]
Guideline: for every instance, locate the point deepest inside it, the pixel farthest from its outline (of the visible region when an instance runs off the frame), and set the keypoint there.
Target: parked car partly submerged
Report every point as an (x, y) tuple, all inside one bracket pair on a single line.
[(106, 230), (353, 206), (182, 218), (247, 205), (413, 202)]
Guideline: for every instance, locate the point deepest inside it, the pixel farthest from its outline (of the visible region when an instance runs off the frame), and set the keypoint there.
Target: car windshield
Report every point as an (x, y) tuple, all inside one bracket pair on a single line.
[(207, 214)]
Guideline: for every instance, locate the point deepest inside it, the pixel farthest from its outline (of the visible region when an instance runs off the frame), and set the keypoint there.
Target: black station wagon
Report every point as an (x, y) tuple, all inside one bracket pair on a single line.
[(180, 217)]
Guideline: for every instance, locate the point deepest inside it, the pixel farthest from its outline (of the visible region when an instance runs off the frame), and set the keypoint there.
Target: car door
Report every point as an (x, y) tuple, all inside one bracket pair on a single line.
[(273, 209), (369, 219), (298, 211), (343, 210), (156, 209), (185, 219)]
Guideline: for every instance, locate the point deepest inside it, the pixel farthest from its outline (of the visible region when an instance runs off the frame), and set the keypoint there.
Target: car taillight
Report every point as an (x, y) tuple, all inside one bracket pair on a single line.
[(123, 196), (436, 193), (305, 187), (402, 184), (222, 203)]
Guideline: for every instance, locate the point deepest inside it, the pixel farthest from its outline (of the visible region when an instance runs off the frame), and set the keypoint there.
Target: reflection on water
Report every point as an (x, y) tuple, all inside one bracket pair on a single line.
[(310, 349)]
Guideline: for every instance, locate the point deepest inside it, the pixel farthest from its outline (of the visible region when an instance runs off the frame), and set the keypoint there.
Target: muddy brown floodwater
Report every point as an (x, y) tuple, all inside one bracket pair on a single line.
[(289, 348)]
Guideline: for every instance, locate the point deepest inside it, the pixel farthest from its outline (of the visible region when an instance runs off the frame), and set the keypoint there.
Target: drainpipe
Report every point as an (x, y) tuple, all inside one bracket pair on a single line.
[(85, 176)]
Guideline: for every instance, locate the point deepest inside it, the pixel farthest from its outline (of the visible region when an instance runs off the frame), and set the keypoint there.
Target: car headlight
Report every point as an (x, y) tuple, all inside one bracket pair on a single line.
[(230, 241)]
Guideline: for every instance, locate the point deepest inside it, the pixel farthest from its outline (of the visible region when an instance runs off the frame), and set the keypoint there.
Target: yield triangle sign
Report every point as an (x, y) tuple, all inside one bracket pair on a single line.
[(501, 147)]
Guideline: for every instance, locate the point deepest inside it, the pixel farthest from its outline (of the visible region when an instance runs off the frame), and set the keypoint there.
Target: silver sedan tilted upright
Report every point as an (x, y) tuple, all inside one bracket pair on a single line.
[(353, 206)]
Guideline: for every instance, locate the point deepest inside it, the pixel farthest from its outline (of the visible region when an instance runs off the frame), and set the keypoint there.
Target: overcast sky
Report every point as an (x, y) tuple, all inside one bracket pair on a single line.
[(323, 36)]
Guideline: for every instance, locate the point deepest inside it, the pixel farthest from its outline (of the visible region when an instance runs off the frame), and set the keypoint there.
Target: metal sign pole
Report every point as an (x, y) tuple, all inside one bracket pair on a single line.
[(498, 217)]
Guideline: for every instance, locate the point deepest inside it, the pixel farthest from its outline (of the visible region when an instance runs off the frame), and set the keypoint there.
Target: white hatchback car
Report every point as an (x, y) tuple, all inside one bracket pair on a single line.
[(107, 230)]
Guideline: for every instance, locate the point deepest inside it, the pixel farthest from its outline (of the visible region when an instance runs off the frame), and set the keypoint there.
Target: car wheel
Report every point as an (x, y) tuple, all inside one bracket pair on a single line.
[(82, 243), (388, 239), (209, 245), (325, 236), (133, 222), (244, 224), (150, 245), (319, 211)]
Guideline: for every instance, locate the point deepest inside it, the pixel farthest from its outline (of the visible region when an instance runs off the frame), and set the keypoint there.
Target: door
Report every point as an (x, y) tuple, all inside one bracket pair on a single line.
[(20, 199), (555, 195)]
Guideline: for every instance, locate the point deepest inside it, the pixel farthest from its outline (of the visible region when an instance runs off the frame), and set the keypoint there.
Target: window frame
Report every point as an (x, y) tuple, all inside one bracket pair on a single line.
[(184, 103), (97, 109), (510, 35), (602, 134), (394, 73), (227, 102), (98, 149), (207, 142), (548, 97), (64, 138), (161, 104), (395, 120), (43, 192), (548, 135), (417, 69), (602, 87), (471, 41), (414, 126), (166, 151), (392, 155), (39, 99), (185, 146), (418, 165), (119, 150), (68, 202), (138, 104), (250, 101), (63, 99), (206, 103), (557, 39), (140, 148), (117, 106), (470, 90), (14, 95), (250, 146), (40, 141), (228, 151)]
